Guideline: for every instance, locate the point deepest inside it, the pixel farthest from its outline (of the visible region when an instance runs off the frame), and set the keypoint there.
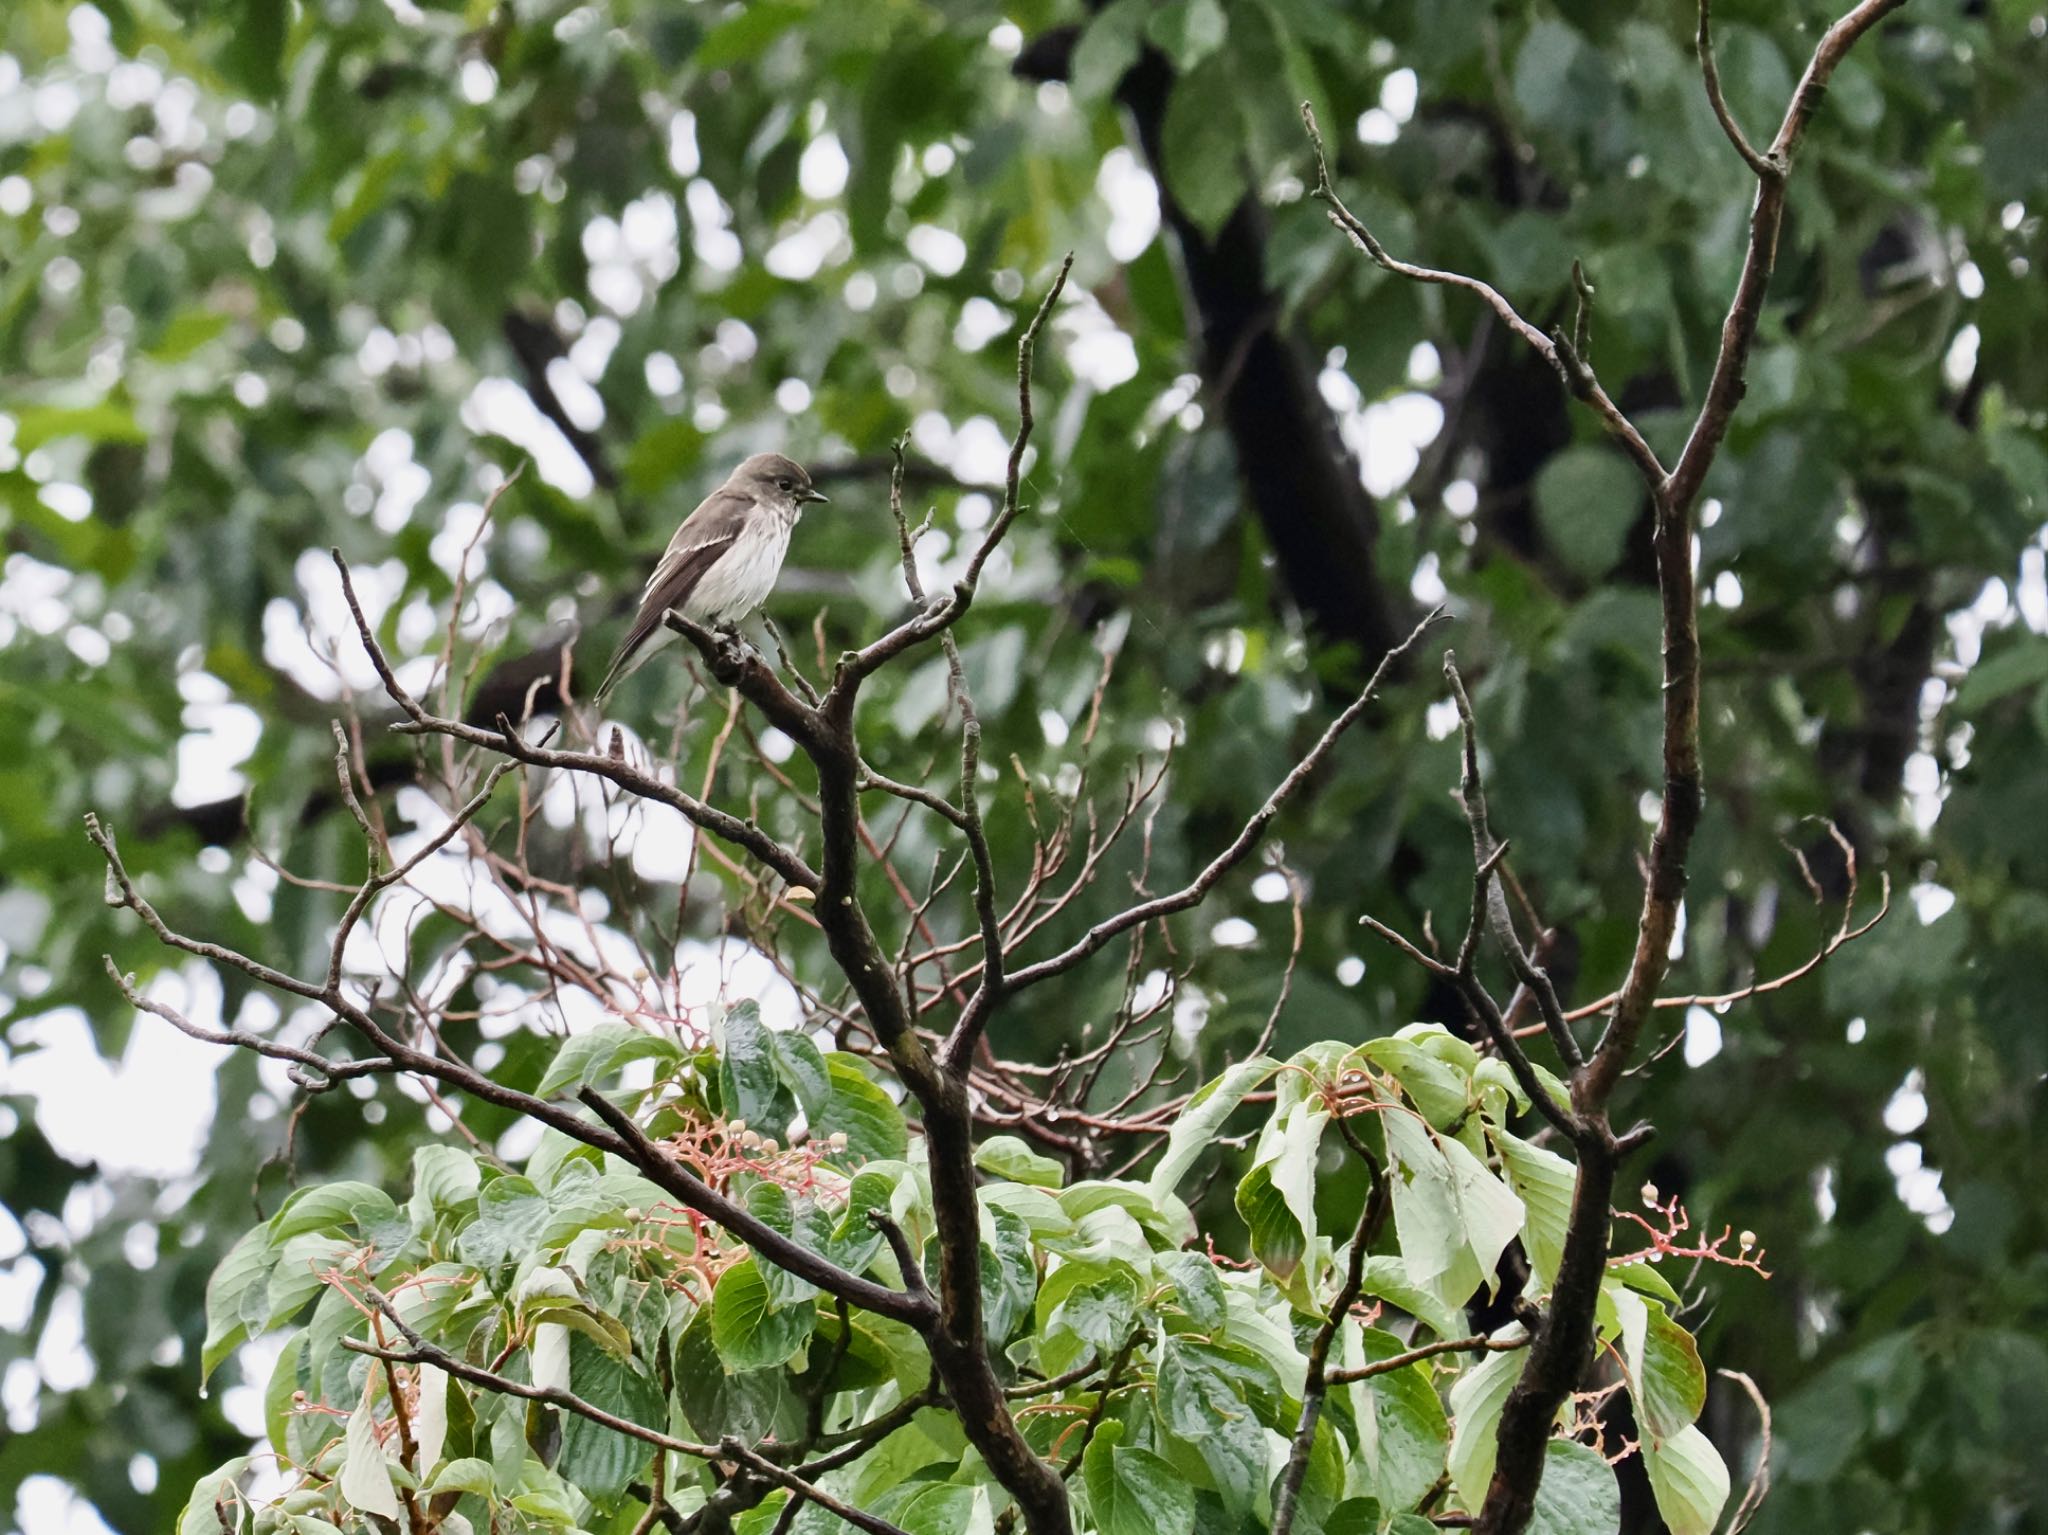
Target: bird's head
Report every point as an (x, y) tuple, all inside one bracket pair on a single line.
[(776, 480)]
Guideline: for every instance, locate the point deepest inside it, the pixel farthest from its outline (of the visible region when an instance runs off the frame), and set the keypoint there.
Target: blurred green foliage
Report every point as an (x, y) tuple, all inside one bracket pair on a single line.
[(269, 277)]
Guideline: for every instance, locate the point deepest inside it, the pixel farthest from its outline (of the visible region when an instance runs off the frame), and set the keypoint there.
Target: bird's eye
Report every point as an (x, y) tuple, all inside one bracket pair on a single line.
[(786, 484)]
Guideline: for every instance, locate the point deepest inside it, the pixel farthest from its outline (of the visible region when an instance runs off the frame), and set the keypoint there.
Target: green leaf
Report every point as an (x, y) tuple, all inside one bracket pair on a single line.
[(1578, 1494), (597, 1052), (1188, 31), (1195, 1287), (511, 1215), (863, 1113), (365, 1479), (1476, 1402), (1587, 498), (1009, 1277), (246, 1268), (1669, 1382), (1404, 1447), (1107, 48), (803, 1223), (1208, 1422), (1006, 1156), (278, 1395), (752, 1404), (1491, 1214), (185, 333), (1427, 1219), (1197, 1125), (443, 1178), (746, 1329), (295, 1279), (1134, 1492), (938, 1508), (595, 1460), (1385, 1277), (1100, 1312), (217, 1486), (107, 421), (253, 56), (749, 1086), (1277, 1197), (1203, 139), (1544, 1182), (466, 1475), (2018, 662), (1690, 1481), (1037, 1208), (1431, 1085), (800, 1067), (1643, 1276), (329, 1207)]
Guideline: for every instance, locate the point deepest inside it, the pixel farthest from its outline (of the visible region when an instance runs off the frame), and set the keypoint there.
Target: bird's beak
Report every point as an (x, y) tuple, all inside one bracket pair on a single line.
[(808, 494)]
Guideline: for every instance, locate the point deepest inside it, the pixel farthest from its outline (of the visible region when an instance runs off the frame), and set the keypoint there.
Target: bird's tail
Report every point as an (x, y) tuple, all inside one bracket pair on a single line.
[(622, 663)]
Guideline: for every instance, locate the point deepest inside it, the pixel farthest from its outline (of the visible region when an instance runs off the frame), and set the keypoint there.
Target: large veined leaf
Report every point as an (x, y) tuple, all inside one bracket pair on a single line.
[(328, 1207), (511, 1214), (443, 1178), (365, 1479), (858, 1109), (1195, 1287), (596, 1460), (1432, 1085), (1690, 1481), (803, 1222), (1491, 1214), (1544, 1181), (216, 1487), (749, 1332), (1401, 1421), (749, 1086), (1133, 1491), (1210, 1430), (1005, 1156), (246, 1268), (1476, 1403), (1195, 1128), (1277, 1196), (1385, 1277), (589, 1057), (1666, 1378), (937, 1508), (1578, 1494)]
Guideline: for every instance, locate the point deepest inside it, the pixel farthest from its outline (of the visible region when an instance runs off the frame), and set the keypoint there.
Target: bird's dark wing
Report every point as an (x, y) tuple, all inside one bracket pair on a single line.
[(705, 535)]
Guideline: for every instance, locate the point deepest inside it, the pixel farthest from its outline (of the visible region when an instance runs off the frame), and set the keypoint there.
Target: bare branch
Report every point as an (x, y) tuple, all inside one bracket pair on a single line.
[(760, 1465), (1711, 75), (1474, 1345), (313, 1072), (1572, 369), (1760, 1483), (1472, 790), (420, 1351), (507, 741), (1287, 1497), (947, 611), (1197, 890), (1683, 786)]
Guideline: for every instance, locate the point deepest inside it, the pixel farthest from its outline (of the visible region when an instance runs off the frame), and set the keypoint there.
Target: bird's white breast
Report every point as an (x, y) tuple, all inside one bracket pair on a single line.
[(740, 580)]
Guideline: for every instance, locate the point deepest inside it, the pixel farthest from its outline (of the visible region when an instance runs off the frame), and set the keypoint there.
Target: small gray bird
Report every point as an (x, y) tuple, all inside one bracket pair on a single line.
[(724, 559)]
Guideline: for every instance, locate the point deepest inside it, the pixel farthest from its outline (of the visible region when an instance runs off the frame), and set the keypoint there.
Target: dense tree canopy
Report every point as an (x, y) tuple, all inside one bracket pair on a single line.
[(280, 278)]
